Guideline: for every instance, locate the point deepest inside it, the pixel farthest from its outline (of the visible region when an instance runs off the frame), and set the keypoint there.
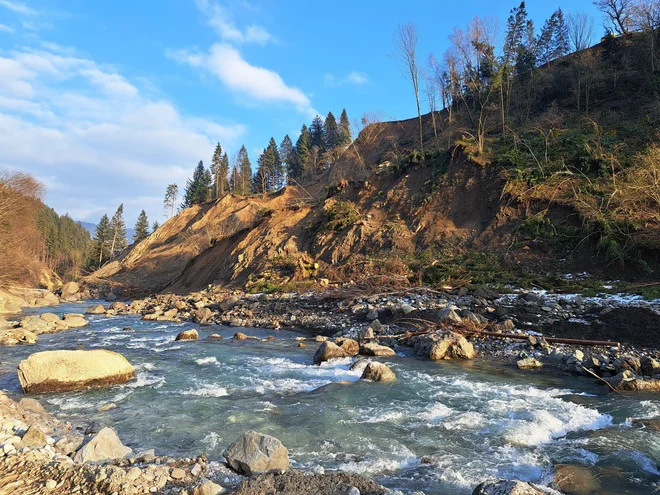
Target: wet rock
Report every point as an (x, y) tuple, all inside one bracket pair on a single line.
[(188, 335), (328, 350), (529, 364), (215, 336), (575, 480), (378, 372), (34, 438), (507, 487), (103, 446), (627, 381), (652, 424), (373, 349), (350, 346), (18, 336), (96, 310), (240, 336), (74, 320), (31, 405), (443, 345), (59, 371), (255, 453), (320, 338)]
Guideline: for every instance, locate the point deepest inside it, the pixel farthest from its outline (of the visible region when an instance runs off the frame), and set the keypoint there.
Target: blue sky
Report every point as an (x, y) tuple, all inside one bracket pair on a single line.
[(109, 101)]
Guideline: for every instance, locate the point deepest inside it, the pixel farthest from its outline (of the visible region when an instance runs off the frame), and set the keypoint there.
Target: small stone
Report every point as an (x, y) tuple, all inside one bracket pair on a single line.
[(177, 474), (51, 484), (207, 488), (372, 315), (133, 474), (353, 491), (529, 364), (196, 470)]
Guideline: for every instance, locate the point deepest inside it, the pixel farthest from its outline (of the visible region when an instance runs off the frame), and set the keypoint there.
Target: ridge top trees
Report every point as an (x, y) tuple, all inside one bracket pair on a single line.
[(141, 227), (171, 198), (219, 172), (345, 137), (198, 188), (102, 239), (406, 39), (118, 227)]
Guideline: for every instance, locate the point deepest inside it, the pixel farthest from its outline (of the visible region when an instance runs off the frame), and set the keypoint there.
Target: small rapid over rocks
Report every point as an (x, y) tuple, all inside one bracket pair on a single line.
[(440, 427)]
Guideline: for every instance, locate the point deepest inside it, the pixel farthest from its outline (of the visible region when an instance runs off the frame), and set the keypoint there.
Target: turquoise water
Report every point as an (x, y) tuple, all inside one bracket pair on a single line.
[(441, 428)]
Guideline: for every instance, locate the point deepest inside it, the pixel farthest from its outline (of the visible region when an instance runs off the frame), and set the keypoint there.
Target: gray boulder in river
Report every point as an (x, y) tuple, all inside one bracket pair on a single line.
[(255, 453), (507, 487)]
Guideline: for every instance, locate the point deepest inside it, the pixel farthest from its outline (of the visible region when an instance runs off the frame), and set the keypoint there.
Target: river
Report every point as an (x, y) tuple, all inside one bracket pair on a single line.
[(441, 428)]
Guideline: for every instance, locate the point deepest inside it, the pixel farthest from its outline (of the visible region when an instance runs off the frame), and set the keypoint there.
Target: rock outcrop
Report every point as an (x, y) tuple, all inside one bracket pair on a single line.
[(255, 453), (60, 371)]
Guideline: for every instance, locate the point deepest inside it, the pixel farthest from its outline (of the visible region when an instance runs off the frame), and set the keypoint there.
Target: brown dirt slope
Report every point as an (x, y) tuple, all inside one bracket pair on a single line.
[(326, 229)]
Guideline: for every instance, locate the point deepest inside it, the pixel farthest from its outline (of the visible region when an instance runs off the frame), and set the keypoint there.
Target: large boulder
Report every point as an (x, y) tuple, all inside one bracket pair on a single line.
[(507, 487), (48, 299), (60, 371), (378, 372), (443, 345), (255, 453), (349, 345), (328, 350), (373, 349), (70, 291), (577, 480), (103, 446), (34, 438), (17, 336), (75, 320), (96, 310), (10, 303), (188, 335)]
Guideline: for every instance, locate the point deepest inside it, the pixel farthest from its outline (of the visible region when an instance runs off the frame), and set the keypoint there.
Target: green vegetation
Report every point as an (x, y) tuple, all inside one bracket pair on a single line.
[(339, 216)]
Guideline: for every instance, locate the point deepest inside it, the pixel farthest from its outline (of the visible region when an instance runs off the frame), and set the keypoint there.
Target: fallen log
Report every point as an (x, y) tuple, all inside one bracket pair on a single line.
[(554, 340)]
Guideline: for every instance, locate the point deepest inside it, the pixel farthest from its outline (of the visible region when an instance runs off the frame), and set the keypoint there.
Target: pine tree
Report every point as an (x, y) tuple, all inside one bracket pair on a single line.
[(269, 173), (318, 133), (345, 137), (155, 226), (287, 156), (244, 168), (332, 134), (171, 198), (301, 154), (102, 239), (198, 188), (141, 227), (223, 172), (118, 231)]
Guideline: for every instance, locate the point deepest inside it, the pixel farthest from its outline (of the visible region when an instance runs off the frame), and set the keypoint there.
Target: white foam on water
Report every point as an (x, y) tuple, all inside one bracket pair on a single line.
[(71, 403), (207, 391), (373, 466), (207, 360), (145, 367), (435, 413), (462, 421), (212, 440), (147, 380)]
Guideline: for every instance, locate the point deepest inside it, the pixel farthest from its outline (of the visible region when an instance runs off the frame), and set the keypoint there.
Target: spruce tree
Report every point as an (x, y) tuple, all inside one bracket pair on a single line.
[(345, 137), (216, 161), (318, 133), (197, 189), (286, 155), (244, 172), (118, 231), (222, 174), (332, 134), (269, 172), (207, 187), (301, 154), (102, 239), (141, 227), (155, 226)]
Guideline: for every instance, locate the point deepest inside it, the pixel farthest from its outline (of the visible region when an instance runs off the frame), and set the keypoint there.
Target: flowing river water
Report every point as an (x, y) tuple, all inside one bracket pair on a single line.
[(441, 428)]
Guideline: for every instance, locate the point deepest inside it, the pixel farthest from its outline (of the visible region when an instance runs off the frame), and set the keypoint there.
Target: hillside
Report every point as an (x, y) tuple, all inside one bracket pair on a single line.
[(569, 185)]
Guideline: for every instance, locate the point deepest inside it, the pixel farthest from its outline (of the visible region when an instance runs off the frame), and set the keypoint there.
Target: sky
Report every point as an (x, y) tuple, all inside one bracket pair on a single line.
[(107, 102)]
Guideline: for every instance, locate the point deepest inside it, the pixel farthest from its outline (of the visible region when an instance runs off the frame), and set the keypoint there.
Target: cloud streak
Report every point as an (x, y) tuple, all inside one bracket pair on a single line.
[(353, 78), (19, 8), (220, 19), (257, 83)]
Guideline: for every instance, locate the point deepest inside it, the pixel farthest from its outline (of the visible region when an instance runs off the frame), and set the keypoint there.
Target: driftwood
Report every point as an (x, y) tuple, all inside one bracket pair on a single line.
[(601, 379), (555, 340)]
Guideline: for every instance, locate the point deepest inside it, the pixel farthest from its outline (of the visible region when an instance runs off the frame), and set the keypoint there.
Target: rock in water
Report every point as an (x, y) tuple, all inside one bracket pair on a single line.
[(529, 364), (349, 345), (70, 291), (60, 371), (445, 345), (255, 453), (575, 479), (378, 372), (74, 320), (188, 335), (328, 350), (507, 487), (96, 310), (105, 445), (373, 349)]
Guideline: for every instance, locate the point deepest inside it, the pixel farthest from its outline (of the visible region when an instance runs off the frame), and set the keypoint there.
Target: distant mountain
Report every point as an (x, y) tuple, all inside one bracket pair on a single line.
[(91, 227)]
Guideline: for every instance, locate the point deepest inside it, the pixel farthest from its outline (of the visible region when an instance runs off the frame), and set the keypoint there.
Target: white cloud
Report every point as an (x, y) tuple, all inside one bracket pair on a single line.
[(220, 19), (258, 83), (19, 8), (94, 137), (355, 78), (6, 29)]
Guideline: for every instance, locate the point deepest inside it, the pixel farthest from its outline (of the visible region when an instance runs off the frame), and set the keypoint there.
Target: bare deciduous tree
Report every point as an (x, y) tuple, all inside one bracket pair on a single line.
[(617, 13), (405, 42), (580, 31), (431, 91)]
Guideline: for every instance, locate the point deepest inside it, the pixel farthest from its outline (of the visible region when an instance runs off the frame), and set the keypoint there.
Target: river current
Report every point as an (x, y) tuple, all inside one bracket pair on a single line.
[(441, 428)]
